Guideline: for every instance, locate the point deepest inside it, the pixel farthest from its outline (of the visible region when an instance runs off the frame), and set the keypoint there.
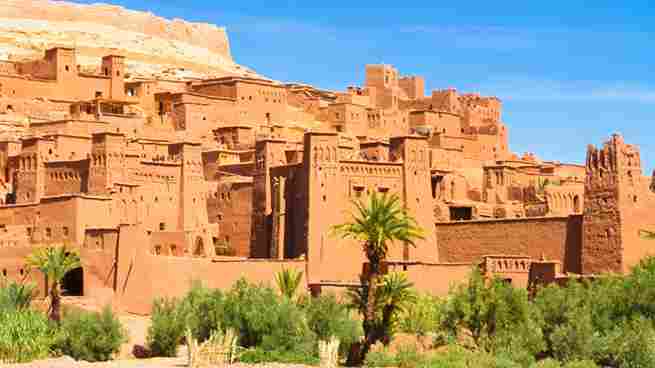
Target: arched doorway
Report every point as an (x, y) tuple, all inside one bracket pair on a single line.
[(73, 283)]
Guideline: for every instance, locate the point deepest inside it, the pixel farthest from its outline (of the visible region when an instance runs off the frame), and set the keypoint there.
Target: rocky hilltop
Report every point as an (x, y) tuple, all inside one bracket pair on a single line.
[(152, 45)]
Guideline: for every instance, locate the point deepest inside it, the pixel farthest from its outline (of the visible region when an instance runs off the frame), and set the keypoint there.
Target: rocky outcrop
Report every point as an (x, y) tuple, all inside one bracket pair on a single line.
[(151, 44)]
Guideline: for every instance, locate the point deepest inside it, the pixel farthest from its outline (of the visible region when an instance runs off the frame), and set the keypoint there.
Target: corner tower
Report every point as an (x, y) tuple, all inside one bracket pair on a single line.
[(618, 207)]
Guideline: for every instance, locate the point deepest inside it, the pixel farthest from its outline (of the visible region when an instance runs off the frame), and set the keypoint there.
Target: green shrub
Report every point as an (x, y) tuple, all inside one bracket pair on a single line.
[(565, 317), (423, 317), (409, 357), (91, 336), (582, 364), (15, 295), (166, 329), (457, 357), (25, 335), (265, 319), (260, 355), (630, 344), (327, 317), (497, 315), (380, 358), (202, 310)]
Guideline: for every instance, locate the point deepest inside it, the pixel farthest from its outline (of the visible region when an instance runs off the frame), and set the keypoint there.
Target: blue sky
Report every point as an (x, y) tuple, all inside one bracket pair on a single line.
[(569, 73)]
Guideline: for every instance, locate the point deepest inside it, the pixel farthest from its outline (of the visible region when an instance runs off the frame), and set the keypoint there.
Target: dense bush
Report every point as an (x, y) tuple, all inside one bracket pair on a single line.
[(15, 295), (266, 320), (270, 325), (327, 317), (497, 316), (453, 357), (202, 309), (424, 316), (261, 355), (167, 326), (380, 358), (25, 335), (91, 336)]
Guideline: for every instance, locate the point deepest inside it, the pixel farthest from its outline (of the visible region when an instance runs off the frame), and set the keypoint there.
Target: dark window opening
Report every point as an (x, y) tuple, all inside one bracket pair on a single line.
[(73, 283), (461, 213), (67, 68), (436, 181)]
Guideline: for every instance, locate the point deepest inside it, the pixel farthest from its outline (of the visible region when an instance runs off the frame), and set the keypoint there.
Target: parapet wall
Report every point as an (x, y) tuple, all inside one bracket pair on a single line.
[(555, 238)]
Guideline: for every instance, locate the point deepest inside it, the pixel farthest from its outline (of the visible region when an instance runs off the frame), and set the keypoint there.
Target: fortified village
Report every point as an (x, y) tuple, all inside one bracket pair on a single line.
[(161, 180)]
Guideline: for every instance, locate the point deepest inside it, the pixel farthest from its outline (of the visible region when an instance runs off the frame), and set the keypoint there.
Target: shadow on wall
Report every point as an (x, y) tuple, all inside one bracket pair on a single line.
[(572, 261)]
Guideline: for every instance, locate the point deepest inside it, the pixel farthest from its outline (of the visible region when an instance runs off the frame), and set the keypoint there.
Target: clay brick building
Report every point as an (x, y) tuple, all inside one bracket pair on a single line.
[(159, 183)]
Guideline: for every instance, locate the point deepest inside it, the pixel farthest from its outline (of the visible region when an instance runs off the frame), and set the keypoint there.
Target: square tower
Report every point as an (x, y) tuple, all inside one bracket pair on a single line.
[(113, 66), (618, 206), (63, 63), (381, 76)]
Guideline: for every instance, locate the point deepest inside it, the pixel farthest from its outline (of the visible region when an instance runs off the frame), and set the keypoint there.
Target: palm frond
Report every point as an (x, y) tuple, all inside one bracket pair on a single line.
[(379, 221), (54, 262), (288, 281), (646, 234)]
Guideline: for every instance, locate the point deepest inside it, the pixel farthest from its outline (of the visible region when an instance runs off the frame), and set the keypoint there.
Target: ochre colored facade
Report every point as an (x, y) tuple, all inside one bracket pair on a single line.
[(159, 183)]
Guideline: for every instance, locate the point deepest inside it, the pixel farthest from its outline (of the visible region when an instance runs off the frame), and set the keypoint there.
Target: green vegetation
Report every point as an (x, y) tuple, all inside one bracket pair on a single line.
[(54, 263), (91, 336), (607, 321), (270, 326), (166, 329), (288, 281), (25, 335), (15, 296), (377, 223)]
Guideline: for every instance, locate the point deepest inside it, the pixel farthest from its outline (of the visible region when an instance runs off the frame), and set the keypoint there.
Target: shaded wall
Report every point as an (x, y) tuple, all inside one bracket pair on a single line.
[(555, 238)]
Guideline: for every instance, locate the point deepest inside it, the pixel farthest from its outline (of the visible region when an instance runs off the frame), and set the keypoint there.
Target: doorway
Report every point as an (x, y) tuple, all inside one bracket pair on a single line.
[(73, 283)]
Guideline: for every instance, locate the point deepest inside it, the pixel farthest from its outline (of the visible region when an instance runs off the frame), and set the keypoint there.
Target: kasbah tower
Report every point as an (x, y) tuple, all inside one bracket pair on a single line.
[(159, 176)]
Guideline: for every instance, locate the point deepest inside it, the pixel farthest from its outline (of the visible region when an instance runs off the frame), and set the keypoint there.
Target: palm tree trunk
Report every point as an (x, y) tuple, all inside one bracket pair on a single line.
[(55, 303), (371, 333)]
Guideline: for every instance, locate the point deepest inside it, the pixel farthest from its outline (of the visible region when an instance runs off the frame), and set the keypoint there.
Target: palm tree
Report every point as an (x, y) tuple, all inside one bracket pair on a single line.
[(377, 223), (54, 263), (396, 294), (288, 281), (393, 294)]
